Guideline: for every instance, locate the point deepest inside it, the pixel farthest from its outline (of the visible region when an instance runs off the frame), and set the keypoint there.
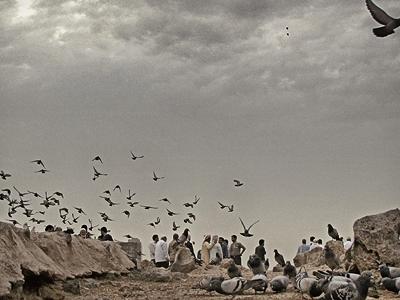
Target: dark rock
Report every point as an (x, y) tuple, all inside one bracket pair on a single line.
[(72, 287), (184, 261)]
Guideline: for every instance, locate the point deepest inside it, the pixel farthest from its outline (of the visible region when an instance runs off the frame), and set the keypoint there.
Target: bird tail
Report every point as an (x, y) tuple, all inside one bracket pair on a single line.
[(382, 31)]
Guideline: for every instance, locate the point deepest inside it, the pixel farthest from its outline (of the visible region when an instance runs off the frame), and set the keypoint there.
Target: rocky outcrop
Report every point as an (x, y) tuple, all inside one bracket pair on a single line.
[(315, 257), (184, 261), (376, 239), (29, 256)]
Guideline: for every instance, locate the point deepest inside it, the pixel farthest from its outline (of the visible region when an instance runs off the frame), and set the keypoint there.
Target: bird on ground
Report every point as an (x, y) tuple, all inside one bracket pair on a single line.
[(391, 284), (43, 171), (171, 213), (279, 258), (80, 210), (332, 232), (187, 204), (132, 204), (238, 183), (306, 284), (134, 157), (174, 226), (59, 194), (184, 236), (289, 270), (148, 207), (383, 18), (387, 271), (117, 187), (331, 259), (279, 283), (357, 290), (129, 197), (233, 271), (97, 158), (155, 178), (187, 220), (39, 162), (127, 213), (196, 199), (232, 286), (4, 175), (191, 215), (263, 283), (246, 232), (165, 200), (255, 264)]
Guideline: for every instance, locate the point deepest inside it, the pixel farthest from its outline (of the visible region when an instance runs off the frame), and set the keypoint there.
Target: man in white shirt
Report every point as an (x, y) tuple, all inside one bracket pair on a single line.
[(161, 253), (152, 248)]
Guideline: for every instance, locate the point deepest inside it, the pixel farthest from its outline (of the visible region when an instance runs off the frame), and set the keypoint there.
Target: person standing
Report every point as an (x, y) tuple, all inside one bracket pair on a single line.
[(260, 250), (216, 252), (104, 236), (205, 249), (161, 253), (152, 248), (236, 250), (173, 247), (224, 247)]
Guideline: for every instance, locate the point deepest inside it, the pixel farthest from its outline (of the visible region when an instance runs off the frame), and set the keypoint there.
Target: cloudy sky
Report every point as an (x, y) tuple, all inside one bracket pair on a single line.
[(207, 91)]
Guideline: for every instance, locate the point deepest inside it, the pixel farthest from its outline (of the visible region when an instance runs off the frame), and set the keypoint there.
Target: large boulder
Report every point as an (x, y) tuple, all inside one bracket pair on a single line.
[(46, 257), (313, 258), (376, 240), (184, 261)]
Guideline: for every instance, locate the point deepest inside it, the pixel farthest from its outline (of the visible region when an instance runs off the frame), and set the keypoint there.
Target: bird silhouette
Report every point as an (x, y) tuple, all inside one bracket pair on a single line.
[(332, 232), (187, 204), (39, 162), (171, 213), (43, 171), (59, 194), (165, 200), (75, 219), (107, 192), (127, 213), (279, 258), (35, 194), (191, 215), (222, 206), (196, 200), (97, 158), (238, 183), (152, 224), (230, 208), (148, 207), (129, 197), (187, 220), (134, 157), (91, 226), (8, 191), (174, 226), (155, 178), (80, 210), (158, 221), (117, 187), (19, 193), (97, 174), (383, 18), (128, 236), (246, 232), (4, 175)]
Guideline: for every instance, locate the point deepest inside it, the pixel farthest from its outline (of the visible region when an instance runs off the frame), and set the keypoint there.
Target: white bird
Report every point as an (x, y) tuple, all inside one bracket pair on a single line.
[(383, 18)]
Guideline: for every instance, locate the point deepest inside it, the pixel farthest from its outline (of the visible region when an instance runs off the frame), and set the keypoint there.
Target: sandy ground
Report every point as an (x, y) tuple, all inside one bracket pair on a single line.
[(133, 287)]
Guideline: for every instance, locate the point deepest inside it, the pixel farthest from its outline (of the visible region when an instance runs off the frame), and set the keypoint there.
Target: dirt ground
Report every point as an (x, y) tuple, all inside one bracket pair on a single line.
[(134, 287)]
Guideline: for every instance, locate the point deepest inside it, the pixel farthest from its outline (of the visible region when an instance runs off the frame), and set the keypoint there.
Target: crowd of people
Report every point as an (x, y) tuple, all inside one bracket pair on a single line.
[(314, 243)]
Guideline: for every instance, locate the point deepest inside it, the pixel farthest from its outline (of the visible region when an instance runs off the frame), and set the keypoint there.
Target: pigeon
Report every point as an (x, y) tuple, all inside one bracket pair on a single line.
[(80, 210), (233, 271), (307, 284), (132, 204), (19, 193), (127, 213), (14, 222), (230, 208), (165, 200), (171, 213), (279, 283), (191, 215), (59, 194), (238, 183), (266, 264), (391, 284), (117, 187), (184, 236), (155, 178), (196, 200), (129, 197), (383, 18), (289, 270), (246, 230), (330, 258), (187, 220), (43, 171), (232, 286), (332, 232), (263, 283), (91, 227), (75, 219), (357, 290), (391, 272), (128, 236), (158, 221), (187, 204), (107, 192), (279, 258), (134, 157), (174, 226), (148, 207), (35, 194), (152, 224), (97, 158), (39, 162), (255, 264)]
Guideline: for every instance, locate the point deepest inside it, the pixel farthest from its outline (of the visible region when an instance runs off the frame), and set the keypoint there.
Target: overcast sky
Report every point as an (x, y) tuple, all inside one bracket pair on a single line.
[(207, 91)]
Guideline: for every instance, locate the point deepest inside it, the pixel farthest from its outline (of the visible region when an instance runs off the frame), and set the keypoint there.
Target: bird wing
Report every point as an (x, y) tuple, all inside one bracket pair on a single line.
[(242, 224), (254, 224), (236, 181), (222, 205), (378, 14)]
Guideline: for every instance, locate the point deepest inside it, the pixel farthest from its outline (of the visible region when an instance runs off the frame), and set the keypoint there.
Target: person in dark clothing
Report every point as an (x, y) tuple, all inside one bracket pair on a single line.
[(49, 228), (224, 247), (260, 250), (104, 236)]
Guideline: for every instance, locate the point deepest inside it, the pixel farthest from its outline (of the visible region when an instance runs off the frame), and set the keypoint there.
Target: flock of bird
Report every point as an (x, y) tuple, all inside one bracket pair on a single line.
[(71, 216)]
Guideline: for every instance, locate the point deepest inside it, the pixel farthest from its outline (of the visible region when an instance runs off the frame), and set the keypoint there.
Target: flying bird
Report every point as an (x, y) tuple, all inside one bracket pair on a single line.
[(8, 191), (238, 183), (332, 232), (80, 210), (165, 200), (134, 157), (155, 178), (19, 193), (158, 221), (174, 226), (97, 158), (35, 194), (132, 204), (59, 194), (246, 232), (117, 187), (191, 215), (187, 204), (91, 227), (222, 206), (39, 162), (130, 195), (148, 207), (152, 224), (196, 200), (43, 171), (4, 175), (171, 213), (127, 213), (107, 192), (128, 236), (383, 18), (187, 220), (97, 174), (14, 222)]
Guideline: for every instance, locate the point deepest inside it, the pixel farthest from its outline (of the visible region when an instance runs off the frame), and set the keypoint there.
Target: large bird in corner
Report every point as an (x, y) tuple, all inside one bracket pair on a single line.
[(383, 18)]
